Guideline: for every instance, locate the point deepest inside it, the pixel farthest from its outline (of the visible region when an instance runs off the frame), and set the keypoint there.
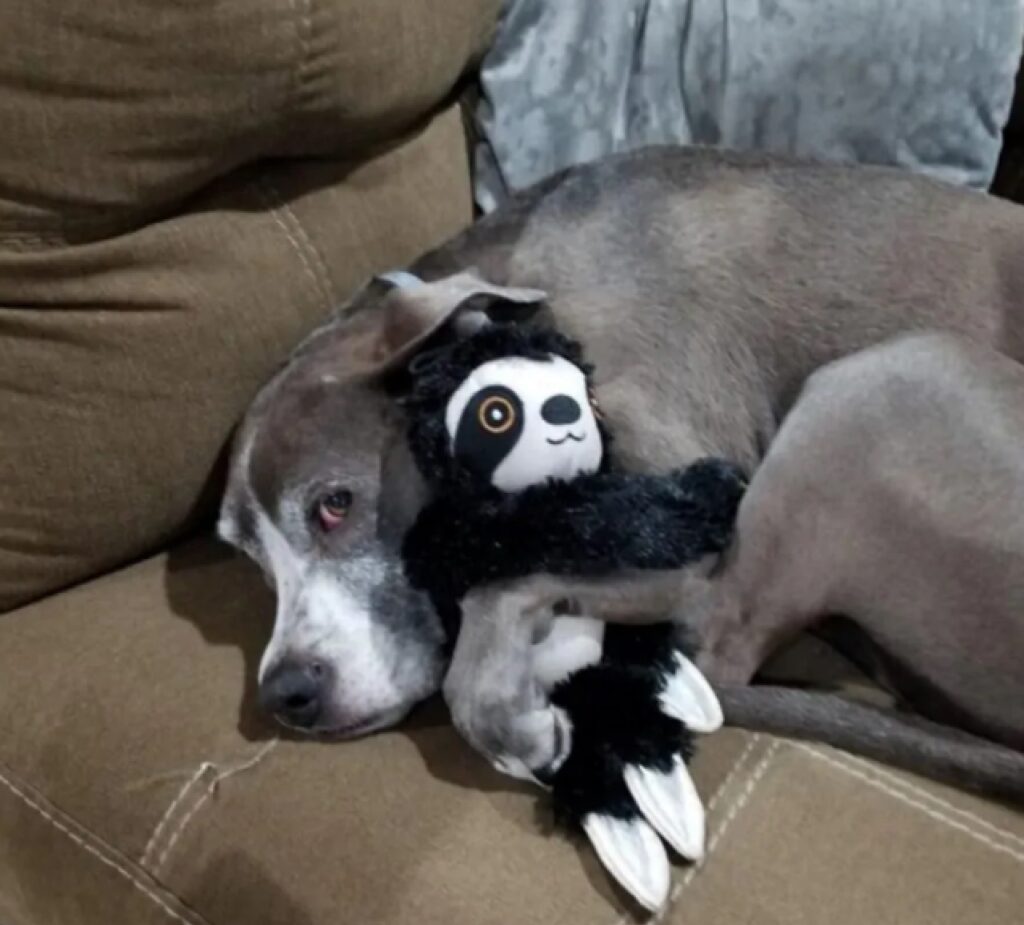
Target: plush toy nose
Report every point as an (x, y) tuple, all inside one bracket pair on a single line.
[(560, 409)]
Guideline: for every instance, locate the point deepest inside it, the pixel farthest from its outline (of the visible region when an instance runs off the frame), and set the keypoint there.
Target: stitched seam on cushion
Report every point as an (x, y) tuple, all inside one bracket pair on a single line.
[(717, 795), (314, 252), (302, 26), (727, 820), (91, 849), (209, 792), (305, 51), (734, 770), (845, 757), (166, 817), (923, 807), (301, 242), (199, 804)]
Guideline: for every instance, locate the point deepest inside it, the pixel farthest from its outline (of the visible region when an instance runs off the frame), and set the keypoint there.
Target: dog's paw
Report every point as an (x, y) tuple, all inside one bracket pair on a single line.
[(527, 742), (536, 746)]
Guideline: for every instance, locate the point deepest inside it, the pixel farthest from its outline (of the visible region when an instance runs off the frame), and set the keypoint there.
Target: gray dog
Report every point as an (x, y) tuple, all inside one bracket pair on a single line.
[(848, 334)]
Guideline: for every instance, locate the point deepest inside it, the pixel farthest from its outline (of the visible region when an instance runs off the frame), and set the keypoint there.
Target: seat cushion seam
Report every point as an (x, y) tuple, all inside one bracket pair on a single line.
[(917, 804), (735, 808), (720, 791), (879, 773), (122, 869), (169, 813), (211, 788)]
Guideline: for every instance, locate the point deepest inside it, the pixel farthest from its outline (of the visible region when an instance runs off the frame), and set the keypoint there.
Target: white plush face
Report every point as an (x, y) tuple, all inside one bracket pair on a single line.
[(518, 422)]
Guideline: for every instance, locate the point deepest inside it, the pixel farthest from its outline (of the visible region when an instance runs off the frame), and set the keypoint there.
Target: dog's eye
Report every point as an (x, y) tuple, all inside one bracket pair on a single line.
[(496, 414), (333, 508)]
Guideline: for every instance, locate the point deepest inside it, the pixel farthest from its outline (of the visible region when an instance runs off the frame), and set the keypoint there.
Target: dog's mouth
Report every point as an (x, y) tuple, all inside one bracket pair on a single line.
[(348, 731), (569, 436)]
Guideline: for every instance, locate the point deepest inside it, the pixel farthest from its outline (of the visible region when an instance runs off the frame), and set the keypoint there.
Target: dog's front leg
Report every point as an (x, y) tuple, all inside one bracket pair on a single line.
[(491, 688), (635, 597), (495, 699)]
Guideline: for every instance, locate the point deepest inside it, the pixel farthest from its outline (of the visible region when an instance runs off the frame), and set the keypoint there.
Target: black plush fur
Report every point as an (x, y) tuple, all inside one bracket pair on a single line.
[(595, 525), (617, 722), (472, 534)]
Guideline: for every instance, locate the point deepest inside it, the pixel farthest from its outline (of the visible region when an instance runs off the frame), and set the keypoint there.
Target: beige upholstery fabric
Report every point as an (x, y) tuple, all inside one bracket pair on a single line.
[(139, 783)]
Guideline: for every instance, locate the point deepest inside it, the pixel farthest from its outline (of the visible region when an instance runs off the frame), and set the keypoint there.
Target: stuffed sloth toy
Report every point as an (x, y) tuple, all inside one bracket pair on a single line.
[(504, 428)]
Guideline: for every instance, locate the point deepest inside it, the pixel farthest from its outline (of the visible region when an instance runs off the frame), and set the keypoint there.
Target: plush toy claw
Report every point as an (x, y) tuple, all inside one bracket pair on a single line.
[(630, 848), (669, 801), (689, 698), (632, 853), (625, 784)]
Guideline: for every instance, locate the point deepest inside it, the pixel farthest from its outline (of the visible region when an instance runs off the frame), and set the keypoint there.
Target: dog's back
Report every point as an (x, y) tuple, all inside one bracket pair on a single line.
[(709, 285)]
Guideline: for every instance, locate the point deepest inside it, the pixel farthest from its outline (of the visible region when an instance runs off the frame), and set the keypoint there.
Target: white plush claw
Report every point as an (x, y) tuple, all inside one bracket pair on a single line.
[(670, 803), (634, 855), (688, 697)]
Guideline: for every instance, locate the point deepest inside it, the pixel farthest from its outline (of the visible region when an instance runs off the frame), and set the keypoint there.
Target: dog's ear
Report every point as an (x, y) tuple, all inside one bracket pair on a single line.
[(236, 523), (380, 338)]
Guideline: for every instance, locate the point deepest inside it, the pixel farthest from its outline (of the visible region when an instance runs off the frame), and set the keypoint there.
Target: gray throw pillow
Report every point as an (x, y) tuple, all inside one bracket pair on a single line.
[(924, 84)]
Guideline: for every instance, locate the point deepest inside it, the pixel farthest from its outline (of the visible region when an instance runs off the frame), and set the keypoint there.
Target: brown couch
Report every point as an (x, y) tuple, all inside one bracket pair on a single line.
[(185, 189)]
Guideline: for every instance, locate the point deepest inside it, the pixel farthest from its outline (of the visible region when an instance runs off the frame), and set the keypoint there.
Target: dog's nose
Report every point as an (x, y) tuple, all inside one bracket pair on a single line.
[(293, 693), (560, 409)]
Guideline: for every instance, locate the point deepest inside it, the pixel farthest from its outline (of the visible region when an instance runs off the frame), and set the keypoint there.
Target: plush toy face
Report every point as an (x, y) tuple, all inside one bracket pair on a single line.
[(516, 422)]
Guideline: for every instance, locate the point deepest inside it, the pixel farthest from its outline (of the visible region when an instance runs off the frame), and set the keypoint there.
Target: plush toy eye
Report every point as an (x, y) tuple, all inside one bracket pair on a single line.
[(496, 414), (332, 509)]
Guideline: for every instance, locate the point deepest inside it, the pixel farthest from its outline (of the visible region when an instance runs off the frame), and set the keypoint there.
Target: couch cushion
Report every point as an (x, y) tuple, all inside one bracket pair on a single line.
[(114, 112), (139, 784), (125, 363)]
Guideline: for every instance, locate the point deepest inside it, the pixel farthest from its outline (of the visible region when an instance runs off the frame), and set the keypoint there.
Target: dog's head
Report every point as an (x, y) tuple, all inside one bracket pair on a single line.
[(321, 490)]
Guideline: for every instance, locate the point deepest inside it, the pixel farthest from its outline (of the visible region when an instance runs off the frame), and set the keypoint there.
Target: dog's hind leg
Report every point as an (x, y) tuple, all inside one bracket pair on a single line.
[(772, 581), (894, 496)]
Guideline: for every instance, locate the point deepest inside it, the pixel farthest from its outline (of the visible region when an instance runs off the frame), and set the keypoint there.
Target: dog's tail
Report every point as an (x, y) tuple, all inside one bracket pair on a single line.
[(900, 740)]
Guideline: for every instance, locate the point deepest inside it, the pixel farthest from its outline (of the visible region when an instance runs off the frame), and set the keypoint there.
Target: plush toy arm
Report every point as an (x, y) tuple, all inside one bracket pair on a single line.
[(639, 521), (591, 526)]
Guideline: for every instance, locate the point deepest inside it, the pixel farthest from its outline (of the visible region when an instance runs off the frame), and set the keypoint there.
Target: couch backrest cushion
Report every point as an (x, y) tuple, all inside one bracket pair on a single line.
[(114, 111)]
